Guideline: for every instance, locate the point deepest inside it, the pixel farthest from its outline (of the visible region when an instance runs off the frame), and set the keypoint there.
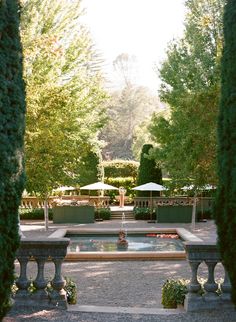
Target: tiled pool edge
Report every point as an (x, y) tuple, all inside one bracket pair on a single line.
[(186, 235)]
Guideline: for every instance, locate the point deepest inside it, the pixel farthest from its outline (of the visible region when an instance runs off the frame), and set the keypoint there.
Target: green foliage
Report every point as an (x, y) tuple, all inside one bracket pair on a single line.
[(225, 207), (33, 214), (149, 171), (120, 168), (127, 182), (173, 293), (71, 291), (88, 168), (190, 78), (141, 134), (103, 213), (65, 98), (12, 113), (206, 214), (142, 213)]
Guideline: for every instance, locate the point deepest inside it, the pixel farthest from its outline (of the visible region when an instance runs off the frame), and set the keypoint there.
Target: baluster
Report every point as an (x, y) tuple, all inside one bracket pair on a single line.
[(194, 286), (40, 283), (22, 282), (211, 286), (58, 296), (193, 299)]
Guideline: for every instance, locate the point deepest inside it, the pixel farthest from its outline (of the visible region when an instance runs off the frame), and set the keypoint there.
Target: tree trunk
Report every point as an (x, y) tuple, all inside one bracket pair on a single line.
[(46, 213), (194, 212)]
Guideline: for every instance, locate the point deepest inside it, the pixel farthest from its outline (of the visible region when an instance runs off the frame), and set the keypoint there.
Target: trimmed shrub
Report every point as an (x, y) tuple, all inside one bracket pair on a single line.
[(148, 172), (206, 214), (173, 293), (12, 126), (34, 214), (142, 213), (128, 183), (103, 213), (120, 168)]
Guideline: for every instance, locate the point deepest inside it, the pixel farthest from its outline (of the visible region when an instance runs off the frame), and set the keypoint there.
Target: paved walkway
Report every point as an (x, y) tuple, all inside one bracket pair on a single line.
[(120, 290)]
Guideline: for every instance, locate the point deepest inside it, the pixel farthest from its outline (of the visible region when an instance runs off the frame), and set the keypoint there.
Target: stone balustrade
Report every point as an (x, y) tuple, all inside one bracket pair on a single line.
[(35, 202), (145, 202), (210, 295), (41, 250)]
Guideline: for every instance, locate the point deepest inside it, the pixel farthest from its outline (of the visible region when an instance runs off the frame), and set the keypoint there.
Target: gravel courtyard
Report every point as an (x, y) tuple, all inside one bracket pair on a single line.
[(133, 284)]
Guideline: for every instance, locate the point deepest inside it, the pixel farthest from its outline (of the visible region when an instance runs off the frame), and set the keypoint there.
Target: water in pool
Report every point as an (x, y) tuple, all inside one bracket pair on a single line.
[(108, 243)]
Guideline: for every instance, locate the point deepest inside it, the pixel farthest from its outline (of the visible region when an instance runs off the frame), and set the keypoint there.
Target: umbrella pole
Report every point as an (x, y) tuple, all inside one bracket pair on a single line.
[(194, 211), (151, 209), (151, 206)]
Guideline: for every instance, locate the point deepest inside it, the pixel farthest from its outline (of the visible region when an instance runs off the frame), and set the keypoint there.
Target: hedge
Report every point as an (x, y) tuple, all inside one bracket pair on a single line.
[(34, 214), (120, 168)]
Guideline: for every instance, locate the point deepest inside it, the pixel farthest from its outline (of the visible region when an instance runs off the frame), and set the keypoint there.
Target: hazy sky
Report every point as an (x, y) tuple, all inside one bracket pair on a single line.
[(138, 27)]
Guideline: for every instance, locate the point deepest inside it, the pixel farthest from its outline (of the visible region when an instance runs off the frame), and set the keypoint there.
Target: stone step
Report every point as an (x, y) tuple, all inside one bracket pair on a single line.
[(126, 213), (119, 216)]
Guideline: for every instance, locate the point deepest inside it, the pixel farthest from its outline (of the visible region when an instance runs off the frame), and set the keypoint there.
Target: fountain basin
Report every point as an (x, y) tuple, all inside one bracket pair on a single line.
[(110, 253)]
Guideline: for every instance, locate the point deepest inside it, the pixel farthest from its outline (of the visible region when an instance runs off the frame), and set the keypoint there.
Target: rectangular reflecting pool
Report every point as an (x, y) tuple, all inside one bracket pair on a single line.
[(87, 244), (136, 243)]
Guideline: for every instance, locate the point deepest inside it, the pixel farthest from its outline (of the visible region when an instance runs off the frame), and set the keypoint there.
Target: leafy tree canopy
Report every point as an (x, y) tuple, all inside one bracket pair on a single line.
[(190, 85), (65, 98)]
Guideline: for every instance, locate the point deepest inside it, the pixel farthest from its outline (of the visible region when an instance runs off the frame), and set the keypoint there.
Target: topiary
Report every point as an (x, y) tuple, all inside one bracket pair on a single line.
[(148, 171), (12, 115), (103, 213)]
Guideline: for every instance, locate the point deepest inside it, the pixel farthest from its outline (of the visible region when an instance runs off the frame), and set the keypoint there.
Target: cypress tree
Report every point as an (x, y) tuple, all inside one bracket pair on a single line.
[(148, 171), (12, 110), (225, 206)]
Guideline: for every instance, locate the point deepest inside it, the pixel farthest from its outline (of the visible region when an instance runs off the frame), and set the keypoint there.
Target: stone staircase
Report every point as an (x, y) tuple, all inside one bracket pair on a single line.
[(117, 215)]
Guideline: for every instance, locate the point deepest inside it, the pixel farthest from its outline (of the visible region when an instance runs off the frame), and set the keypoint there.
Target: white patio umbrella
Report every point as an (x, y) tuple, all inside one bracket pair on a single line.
[(150, 186), (64, 188), (98, 186)]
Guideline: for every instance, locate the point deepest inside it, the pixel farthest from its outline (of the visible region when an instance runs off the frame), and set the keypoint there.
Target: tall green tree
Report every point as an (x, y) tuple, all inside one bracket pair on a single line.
[(190, 86), (149, 171), (225, 209), (12, 111), (65, 96)]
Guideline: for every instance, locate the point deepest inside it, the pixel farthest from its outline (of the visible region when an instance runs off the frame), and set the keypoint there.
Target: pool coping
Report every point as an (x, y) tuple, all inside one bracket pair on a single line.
[(186, 235)]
